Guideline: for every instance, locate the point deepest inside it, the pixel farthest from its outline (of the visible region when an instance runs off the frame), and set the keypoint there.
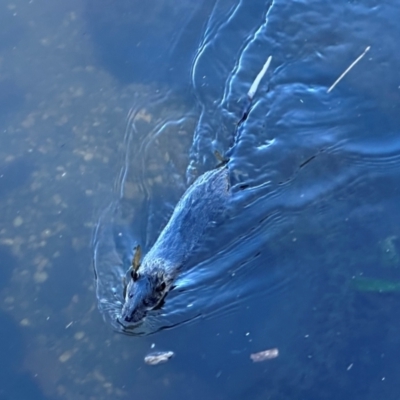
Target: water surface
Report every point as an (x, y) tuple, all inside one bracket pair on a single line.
[(108, 127)]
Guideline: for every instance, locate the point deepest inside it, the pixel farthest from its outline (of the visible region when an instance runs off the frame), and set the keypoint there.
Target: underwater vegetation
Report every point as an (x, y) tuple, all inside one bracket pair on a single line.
[(364, 284)]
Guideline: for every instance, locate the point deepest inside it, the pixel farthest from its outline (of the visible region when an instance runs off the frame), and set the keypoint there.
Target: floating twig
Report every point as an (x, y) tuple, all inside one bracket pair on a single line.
[(348, 69), (253, 88)]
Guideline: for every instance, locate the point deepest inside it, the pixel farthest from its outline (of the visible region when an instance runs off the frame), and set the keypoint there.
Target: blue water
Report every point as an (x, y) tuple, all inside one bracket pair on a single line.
[(109, 111)]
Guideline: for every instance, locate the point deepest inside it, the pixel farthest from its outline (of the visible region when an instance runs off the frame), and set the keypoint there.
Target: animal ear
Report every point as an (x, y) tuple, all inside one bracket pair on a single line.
[(136, 259), (134, 275)]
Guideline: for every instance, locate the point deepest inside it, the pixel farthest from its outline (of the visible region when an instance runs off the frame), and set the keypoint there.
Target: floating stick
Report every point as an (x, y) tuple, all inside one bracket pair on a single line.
[(253, 88), (348, 69)]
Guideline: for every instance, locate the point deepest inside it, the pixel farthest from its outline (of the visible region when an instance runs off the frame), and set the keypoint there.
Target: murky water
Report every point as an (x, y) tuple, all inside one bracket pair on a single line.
[(109, 111)]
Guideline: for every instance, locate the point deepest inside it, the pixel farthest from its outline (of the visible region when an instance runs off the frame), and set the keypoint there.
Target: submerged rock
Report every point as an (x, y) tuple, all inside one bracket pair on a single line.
[(265, 355)]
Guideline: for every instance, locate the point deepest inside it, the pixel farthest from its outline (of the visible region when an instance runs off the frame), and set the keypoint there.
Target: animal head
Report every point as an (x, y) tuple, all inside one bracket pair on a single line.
[(143, 291)]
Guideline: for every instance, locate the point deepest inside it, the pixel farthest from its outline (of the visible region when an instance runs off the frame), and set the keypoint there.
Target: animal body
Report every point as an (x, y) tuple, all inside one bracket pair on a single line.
[(149, 280)]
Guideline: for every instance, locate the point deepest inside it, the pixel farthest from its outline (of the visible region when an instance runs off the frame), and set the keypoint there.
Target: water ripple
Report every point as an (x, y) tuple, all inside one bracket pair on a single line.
[(302, 155)]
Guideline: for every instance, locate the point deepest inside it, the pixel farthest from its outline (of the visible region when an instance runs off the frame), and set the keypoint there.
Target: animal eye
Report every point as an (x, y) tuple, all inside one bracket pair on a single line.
[(161, 287)]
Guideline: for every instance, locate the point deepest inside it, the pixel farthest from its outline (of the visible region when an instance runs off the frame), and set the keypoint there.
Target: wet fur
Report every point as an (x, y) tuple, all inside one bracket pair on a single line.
[(201, 205)]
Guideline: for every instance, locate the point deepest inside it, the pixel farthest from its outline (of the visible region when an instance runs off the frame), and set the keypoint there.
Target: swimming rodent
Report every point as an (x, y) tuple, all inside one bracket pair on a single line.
[(149, 281)]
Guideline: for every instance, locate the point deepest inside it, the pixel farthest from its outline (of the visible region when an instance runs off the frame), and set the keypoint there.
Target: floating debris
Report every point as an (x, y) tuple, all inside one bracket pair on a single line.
[(348, 69), (350, 367), (254, 86), (265, 355), (68, 325), (158, 357)]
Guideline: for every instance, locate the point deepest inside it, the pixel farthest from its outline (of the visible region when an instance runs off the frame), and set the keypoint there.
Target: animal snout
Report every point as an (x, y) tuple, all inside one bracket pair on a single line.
[(128, 320)]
